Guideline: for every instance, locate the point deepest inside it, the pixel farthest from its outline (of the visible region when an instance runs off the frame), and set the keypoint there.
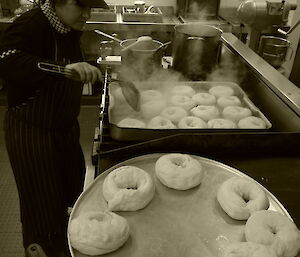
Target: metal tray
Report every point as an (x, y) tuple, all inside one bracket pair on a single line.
[(130, 15), (122, 110), (103, 15), (175, 223)]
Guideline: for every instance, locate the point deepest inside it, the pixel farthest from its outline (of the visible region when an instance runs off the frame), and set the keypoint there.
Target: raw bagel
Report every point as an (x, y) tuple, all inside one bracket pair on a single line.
[(235, 113), (183, 90), (150, 95), (96, 232), (128, 188), (219, 91), (240, 197), (252, 122), (221, 123), (230, 100), (112, 101), (248, 249), (152, 108), (179, 171), (204, 99), (181, 100), (174, 113), (275, 230), (206, 112), (191, 122), (131, 123), (160, 122)]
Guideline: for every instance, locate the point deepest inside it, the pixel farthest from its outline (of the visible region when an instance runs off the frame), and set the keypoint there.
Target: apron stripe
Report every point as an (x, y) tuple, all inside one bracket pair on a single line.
[(53, 169), (42, 139)]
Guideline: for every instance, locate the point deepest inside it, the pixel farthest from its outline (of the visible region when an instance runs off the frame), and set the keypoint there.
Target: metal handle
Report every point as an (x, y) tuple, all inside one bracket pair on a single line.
[(196, 38), (58, 69), (291, 53), (290, 30), (149, 9), (107, 35), (293, 27), (275, 45), (164, 46)]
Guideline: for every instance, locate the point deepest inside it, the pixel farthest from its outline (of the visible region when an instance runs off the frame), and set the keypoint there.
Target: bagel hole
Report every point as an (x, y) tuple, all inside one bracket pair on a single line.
[(273, 230), (246, 198), (178, 161), (133, 187)]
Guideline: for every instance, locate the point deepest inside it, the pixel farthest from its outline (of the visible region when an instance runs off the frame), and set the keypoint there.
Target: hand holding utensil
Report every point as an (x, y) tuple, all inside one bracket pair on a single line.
[(80, 71), (129, 90)]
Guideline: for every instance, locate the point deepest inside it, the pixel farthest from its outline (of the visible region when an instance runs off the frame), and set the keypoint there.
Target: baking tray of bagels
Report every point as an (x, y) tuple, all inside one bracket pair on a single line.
[(177, 205), (168, 108)]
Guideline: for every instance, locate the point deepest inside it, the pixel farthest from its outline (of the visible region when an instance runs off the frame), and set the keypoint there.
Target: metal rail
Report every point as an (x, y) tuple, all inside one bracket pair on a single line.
[(279, 84)]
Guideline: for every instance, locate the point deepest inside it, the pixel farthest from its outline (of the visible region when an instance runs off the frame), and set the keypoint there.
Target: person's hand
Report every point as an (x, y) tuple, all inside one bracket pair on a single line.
[(87, 73)]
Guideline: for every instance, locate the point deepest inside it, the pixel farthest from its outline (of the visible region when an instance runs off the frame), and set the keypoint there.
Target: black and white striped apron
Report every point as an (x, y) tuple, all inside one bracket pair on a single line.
[(42, 139)]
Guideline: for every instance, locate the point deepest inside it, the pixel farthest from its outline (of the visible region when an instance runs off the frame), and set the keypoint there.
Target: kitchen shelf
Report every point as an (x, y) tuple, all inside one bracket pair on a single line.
[(129, 15)]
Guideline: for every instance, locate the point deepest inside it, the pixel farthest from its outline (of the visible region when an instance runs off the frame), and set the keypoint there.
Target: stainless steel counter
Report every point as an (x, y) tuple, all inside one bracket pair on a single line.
[(278, 83), (168, 21)]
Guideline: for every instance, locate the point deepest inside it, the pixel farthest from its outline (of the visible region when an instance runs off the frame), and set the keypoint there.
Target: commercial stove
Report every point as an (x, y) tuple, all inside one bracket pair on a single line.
[(271, 157)]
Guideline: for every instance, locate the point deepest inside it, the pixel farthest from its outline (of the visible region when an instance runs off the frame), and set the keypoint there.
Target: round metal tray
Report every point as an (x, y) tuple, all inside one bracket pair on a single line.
[(175, 223)]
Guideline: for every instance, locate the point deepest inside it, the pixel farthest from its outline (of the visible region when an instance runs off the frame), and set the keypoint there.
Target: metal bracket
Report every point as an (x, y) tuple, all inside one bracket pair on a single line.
[(275, 7)]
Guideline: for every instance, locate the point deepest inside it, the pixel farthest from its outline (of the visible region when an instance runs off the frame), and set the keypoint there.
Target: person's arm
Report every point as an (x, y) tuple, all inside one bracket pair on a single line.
[(20, 48)]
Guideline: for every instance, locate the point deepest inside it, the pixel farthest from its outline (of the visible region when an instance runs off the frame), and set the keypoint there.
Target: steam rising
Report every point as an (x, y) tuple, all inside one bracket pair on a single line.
[(199, 11), (147, 74), (228, 70)]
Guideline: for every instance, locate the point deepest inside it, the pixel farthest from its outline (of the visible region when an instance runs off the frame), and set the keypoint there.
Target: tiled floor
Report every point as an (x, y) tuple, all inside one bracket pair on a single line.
[(10, 227)]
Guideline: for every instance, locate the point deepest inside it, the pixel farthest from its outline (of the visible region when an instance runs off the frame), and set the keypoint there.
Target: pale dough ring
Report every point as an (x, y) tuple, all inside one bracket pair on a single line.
[(128, 188), (235, 113), (275, 230), (219, 91), (179, 171), (160, 122), (174, 113), (183, 101), (230, 100), (240, 197), (204, 99), (192, 122), (205, 112), (112, 101), (152, 108), (131, 123), (183, 90), (252, 122), (221, 123), (96, 232)]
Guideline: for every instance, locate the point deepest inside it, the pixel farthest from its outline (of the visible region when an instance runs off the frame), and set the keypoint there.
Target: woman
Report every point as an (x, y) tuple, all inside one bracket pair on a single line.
[(41, 127)]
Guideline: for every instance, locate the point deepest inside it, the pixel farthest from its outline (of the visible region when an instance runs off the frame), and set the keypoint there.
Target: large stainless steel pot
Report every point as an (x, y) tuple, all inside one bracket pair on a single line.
[(143, 58), (196, 49), (139, 57)]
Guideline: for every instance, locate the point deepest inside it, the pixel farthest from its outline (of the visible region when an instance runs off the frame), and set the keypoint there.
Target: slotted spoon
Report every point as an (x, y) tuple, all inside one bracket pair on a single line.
[(129, 90)]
